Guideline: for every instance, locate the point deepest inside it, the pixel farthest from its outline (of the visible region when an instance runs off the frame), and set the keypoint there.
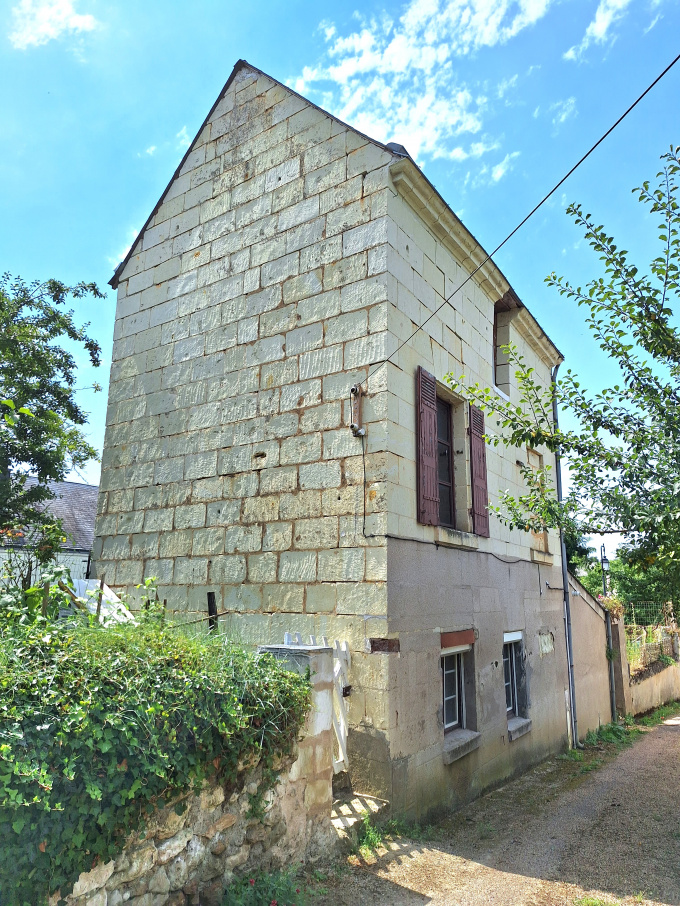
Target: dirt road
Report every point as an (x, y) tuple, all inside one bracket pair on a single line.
[(566, 834)]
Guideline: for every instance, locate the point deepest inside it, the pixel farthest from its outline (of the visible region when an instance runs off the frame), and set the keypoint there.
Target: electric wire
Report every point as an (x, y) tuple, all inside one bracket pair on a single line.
[(490, 255)]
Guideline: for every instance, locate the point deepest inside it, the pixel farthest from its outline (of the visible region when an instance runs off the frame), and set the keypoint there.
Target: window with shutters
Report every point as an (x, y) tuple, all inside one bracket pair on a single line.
[(451, 476), (445, 463), (539, 540)]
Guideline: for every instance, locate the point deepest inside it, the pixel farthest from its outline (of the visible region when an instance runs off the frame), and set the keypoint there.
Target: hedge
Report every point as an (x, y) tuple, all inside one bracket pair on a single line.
[(98, 726)]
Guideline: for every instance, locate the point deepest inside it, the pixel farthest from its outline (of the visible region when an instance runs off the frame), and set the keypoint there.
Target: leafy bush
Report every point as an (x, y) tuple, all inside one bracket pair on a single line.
[(100, 725), (279, 889)]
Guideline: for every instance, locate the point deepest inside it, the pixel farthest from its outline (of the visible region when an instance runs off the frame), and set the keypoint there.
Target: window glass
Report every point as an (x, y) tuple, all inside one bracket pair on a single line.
[(445, 462), (509, 676), (452, 689)]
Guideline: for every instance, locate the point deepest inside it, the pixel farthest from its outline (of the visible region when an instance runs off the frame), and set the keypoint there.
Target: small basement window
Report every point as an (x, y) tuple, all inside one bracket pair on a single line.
[(458, 697), (510, 677)]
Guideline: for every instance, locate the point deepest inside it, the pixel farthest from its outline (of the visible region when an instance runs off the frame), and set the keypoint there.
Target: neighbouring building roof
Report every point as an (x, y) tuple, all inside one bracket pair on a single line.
[(76, 505)]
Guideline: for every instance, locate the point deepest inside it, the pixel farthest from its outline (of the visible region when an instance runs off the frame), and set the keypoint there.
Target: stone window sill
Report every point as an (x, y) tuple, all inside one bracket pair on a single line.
[(458, 743), (453, 538), (518, 726), (541, 557)]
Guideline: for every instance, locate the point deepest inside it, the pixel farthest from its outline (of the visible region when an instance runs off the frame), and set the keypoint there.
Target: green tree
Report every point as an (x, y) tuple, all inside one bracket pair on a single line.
[(579, 552), (41, 427), (624, 452)]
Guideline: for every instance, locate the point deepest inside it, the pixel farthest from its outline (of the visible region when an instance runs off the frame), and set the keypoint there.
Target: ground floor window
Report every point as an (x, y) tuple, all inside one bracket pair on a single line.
[(510, 676), (454, 698)]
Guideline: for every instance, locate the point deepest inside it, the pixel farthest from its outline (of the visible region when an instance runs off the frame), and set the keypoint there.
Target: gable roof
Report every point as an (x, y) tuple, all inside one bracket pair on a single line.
[(392, 148), (407, 171), (76, 505)]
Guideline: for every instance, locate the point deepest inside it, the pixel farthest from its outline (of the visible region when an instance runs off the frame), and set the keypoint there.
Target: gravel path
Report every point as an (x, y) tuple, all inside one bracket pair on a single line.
[(561, 833)]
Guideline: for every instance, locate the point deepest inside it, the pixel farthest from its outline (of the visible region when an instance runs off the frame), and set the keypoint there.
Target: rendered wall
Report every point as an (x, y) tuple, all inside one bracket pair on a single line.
[(591, 667), (434, 590)]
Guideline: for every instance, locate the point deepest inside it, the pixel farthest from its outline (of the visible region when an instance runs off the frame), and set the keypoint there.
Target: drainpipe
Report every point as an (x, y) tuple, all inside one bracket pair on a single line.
[(565, 580)]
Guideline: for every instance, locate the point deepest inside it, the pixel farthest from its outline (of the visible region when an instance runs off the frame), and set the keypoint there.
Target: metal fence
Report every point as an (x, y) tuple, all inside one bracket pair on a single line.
[(650, 633)]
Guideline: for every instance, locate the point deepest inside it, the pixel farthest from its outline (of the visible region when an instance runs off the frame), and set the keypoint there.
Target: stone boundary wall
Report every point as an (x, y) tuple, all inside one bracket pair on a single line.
[(189, 859)]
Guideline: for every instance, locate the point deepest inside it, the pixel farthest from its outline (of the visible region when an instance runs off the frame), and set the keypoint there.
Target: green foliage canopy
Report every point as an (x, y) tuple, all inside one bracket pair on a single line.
[(624, 453), (41, 422)]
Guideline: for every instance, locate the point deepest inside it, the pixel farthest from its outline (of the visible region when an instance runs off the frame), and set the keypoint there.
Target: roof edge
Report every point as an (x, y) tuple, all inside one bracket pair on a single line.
[(414, 186), (240, 64), (113, 282)]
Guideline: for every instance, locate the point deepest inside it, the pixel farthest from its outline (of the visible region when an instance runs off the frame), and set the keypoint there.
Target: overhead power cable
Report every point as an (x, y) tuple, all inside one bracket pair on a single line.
[(529, 215)]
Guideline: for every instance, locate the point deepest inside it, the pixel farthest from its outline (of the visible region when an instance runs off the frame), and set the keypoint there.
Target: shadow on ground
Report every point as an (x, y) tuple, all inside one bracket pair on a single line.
[(607, 828)]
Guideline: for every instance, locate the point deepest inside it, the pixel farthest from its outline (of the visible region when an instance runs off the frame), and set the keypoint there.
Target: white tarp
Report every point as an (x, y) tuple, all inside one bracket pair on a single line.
[(112, 611)]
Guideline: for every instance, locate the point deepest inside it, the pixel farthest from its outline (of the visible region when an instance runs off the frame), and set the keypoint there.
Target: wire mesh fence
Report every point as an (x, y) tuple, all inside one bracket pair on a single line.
[(650, 633)]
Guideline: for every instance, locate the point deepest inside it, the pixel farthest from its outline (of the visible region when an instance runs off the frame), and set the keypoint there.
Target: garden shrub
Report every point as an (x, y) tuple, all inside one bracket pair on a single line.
[(98, 726)]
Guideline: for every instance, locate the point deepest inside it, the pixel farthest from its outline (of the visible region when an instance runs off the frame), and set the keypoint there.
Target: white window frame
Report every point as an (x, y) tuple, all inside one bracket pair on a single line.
[(456, 652), (510, 709)]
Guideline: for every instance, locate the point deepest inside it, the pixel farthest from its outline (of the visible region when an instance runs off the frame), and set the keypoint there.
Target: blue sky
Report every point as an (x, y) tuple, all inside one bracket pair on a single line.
[(496, 99)]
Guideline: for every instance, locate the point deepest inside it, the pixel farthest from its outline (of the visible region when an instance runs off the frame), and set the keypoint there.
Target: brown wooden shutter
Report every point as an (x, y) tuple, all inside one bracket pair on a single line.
[(480, 493), (426, 441)]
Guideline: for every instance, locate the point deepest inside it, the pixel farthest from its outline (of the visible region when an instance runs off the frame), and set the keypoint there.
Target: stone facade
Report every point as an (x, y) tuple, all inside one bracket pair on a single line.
[(289, 256), (190, 858)]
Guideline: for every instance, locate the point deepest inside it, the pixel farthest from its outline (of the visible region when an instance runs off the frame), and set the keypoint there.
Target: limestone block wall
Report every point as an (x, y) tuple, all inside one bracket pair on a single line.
[(429, 254), (254, 300), (190, 858)]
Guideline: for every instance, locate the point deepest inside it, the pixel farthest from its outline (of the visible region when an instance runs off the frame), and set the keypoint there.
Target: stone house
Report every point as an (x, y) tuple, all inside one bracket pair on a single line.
[(287, 259)]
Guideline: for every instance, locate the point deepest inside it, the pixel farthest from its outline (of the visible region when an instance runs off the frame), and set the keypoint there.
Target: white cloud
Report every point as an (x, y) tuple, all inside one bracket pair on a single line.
[(652, 24), (505, 86), (183, 136), (150, 150), (607, 13), (394, 79), (36, 22), (499, 171), (562, 110)]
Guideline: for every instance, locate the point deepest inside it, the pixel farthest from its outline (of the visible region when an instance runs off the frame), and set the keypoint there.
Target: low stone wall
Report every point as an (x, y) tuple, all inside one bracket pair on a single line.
[(655, 690), (189, 859), (645, 694)]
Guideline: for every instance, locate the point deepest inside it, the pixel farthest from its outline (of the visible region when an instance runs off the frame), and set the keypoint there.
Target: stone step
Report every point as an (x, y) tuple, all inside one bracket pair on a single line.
[(352, 808)]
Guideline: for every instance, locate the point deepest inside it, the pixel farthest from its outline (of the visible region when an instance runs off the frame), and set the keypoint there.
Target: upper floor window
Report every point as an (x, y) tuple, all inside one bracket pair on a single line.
[(445, 462), (442, 463)]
